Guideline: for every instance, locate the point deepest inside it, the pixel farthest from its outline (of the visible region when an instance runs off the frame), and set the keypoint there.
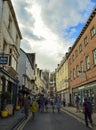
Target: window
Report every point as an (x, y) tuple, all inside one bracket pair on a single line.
[(14, 63), (94, 56), (16, 39), (72, 58), (85, 40), (4, 46), (87, 62), (71, 75), (10, 53), (76, 53), (77, 70), (80, 48), (74, 74), (10, 24), (81, 66), (92, 31)]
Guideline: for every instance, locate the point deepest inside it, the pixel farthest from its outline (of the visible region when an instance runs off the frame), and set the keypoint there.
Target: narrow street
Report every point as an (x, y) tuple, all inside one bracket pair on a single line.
[(54, 121)]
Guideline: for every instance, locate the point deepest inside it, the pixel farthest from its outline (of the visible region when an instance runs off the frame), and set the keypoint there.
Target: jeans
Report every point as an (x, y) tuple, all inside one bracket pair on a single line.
[(88, 116)]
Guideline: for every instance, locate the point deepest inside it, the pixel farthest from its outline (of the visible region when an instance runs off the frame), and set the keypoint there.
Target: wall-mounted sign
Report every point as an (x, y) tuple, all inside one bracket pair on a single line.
[(3, 59)]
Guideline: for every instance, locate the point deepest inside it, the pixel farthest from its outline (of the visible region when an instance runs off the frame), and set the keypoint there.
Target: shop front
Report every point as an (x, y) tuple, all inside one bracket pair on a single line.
[(8, 89), (88, 91)]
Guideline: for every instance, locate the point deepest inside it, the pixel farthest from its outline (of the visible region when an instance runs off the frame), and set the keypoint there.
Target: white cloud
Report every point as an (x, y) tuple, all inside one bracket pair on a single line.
[(44, 25)]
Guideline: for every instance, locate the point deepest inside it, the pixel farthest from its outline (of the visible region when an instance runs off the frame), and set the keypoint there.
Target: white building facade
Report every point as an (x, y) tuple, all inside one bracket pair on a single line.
[(10, 37)]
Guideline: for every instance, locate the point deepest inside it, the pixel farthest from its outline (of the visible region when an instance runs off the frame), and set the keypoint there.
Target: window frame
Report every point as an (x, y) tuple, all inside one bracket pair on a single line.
[(94, 56), (92, 32), (87, 62), (85, 40)]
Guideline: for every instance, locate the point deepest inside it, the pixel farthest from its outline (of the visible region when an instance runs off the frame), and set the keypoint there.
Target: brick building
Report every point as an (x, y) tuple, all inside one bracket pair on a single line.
[(82, 62)]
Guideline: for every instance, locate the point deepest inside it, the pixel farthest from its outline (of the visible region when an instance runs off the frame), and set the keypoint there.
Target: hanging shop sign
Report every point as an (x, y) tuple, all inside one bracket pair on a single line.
[(3, 59)]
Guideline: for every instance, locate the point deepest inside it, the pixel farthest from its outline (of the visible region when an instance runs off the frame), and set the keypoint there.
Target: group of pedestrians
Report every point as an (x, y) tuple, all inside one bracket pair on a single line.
[(42, 105)]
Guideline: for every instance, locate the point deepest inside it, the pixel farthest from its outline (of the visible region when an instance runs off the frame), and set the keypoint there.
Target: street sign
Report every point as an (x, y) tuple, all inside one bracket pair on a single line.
[(3, 59)]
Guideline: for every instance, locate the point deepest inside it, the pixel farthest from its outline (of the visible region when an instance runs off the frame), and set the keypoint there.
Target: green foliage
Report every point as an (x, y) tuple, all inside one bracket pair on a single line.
[(6, 95)]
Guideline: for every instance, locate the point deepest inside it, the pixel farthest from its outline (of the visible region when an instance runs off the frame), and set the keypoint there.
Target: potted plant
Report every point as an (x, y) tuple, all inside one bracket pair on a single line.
[(4, 113), (6, 95)]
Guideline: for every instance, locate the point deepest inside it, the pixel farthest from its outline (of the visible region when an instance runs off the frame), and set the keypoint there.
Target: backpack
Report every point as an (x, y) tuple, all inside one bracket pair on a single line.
[(88, 107)]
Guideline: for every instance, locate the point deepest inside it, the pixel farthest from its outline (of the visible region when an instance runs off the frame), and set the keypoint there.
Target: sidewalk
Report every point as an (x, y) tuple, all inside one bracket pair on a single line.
[(10, 121), (80, 115)]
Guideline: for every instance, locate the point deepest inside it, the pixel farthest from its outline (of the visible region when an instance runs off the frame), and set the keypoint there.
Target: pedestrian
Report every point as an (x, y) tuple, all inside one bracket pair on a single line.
[(42, 103), (87, 110), (33, 108), (64, 102), (77, 103), (27, 102), (46, 104), (58, 103), (52, 102)]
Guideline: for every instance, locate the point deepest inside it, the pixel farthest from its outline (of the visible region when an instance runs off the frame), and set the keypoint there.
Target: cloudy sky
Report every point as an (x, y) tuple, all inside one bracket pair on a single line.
[(50, 27)]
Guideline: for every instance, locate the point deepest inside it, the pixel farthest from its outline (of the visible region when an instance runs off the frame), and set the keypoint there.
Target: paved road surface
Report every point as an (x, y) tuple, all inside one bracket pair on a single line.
[(54, 121)]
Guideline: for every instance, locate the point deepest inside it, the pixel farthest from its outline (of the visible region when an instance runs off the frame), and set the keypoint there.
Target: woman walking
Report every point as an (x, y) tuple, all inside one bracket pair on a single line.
[(58, 103), (33, 108)]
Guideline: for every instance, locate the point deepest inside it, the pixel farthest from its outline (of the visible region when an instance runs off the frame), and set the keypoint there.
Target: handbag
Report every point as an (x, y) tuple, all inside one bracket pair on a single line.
[(22, 110)]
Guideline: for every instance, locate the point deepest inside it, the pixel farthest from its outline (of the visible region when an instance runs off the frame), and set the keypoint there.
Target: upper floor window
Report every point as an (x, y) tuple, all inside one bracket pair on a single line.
[(72, 58), (77, 70), (87, 62), (80, 47), (14, 63), (81, 66), (92, 31), (74, 74), (94, 56), (10, 59), (10, 24), (85, 40), (4, 47), (76, 53), (71, 76), (16, 39)]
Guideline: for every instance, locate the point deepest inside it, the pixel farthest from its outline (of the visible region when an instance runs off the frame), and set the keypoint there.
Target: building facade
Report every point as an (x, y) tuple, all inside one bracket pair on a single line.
[(26, 71), (26, 75), (40, 81), (82, 63), (10, 37), (62, 84)]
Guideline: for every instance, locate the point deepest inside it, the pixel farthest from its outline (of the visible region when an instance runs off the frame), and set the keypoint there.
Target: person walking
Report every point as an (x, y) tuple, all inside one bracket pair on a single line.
[(33, 108), (58, 103), (64, 102), (52, 102), (46, 104), (77, 103), (87, 110), (27, 102)]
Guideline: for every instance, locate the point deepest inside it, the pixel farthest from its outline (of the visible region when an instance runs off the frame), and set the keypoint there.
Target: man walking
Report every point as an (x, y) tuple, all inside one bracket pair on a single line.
[(87, 110)]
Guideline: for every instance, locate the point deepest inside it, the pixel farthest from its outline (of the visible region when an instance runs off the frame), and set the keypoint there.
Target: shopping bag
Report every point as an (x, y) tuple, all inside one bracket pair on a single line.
[(22, 110)]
